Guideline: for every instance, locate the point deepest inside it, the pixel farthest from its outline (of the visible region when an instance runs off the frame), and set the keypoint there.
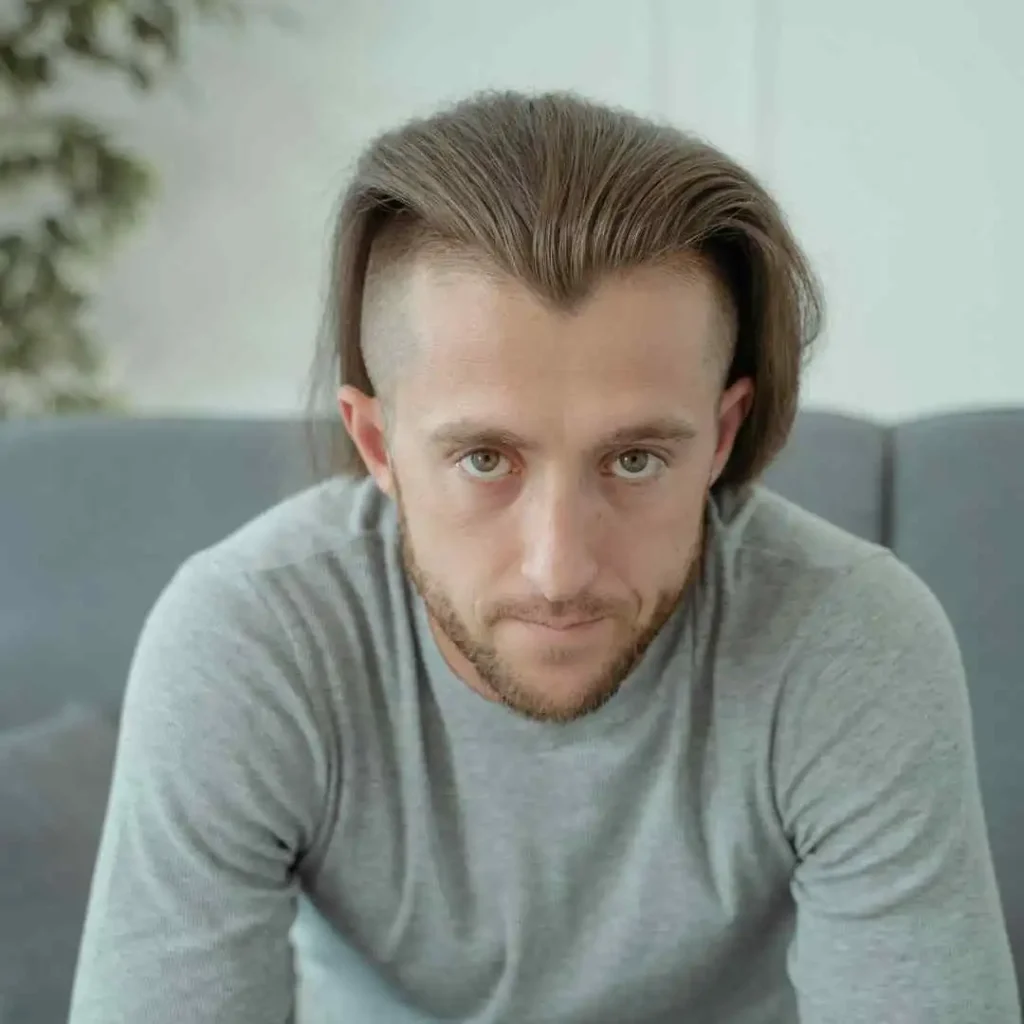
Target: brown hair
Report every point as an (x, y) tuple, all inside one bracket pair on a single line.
[(558, 191)]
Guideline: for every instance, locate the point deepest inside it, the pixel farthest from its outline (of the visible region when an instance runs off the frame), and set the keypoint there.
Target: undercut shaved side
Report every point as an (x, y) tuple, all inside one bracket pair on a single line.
[(387, 335), (558, 193)]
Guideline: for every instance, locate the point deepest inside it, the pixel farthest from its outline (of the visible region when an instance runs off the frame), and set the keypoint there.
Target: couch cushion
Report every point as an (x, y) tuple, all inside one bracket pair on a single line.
[(95, 516), (54, 778), (836, 467), (958, 521)]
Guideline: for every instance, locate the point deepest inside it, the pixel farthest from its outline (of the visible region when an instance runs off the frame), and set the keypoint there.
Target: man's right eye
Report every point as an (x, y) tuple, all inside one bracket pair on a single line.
[(485, 464)]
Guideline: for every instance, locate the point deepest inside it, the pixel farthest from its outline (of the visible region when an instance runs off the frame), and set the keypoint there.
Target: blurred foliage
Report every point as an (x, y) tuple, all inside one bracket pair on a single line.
[(72, 188)]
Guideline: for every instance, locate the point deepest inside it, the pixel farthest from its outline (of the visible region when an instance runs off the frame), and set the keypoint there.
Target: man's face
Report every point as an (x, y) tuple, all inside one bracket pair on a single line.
[(551, 471)]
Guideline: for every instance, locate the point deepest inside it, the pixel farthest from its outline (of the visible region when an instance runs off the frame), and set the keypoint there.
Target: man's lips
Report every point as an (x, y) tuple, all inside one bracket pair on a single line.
[(560, 625)]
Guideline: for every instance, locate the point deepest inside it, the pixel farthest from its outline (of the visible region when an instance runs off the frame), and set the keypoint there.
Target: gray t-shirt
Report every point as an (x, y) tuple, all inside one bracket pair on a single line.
[(777, 818)]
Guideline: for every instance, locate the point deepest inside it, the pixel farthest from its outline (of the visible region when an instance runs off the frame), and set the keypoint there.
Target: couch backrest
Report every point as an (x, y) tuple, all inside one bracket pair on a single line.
[(837, 467), (95, 515)]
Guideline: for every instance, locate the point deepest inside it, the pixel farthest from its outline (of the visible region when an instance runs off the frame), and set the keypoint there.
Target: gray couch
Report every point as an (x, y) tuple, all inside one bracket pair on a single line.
[(95, 515)]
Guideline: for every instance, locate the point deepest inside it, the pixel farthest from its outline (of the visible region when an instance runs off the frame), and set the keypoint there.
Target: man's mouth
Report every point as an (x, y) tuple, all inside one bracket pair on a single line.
[(561, 625)]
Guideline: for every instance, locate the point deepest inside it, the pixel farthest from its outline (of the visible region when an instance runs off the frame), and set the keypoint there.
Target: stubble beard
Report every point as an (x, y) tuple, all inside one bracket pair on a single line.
[(502, 681)]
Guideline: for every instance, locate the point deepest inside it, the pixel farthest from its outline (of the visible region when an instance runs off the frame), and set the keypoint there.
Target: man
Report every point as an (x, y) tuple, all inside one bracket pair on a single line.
[(547, 710)]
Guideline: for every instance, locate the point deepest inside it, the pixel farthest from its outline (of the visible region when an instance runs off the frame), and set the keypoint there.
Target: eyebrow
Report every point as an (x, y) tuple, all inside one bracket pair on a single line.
[(467, 433)]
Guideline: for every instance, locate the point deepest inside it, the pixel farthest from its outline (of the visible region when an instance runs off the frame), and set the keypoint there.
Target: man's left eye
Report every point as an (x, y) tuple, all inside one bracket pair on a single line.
[(637, 465)]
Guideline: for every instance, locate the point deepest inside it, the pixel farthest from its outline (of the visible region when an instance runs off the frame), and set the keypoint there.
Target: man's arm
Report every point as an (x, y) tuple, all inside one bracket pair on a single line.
[(216, 793), (898, 915)]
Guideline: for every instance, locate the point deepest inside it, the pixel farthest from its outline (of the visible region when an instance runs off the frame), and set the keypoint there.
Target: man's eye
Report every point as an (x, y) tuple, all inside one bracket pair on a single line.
[(485, 464), (637, 464)]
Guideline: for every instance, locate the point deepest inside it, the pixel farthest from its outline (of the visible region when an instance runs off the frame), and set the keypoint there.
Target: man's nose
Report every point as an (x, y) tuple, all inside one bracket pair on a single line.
[(559, 549)]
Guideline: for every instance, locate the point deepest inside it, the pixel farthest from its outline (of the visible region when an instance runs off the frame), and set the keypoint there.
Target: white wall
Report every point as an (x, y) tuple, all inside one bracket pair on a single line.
[(893, 138), (897, 143)]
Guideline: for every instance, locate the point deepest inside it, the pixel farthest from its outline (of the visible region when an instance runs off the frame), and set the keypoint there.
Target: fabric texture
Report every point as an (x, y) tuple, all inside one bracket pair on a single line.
[(776, 818), (54, 777)]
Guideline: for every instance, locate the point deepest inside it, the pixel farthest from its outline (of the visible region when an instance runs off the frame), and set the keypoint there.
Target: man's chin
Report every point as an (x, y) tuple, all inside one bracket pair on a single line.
[(540, 707), (554, 692)]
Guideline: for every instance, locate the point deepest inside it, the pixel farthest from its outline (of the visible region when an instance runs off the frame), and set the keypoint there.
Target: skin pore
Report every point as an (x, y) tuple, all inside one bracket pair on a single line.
[(551, 468)]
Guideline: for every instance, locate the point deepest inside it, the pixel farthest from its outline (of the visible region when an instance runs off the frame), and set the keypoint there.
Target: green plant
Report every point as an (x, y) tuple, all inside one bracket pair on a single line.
[(73, 188)]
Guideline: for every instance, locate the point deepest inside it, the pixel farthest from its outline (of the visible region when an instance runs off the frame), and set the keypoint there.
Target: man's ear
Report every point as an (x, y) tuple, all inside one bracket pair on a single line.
[(364, 421), (733, 407)]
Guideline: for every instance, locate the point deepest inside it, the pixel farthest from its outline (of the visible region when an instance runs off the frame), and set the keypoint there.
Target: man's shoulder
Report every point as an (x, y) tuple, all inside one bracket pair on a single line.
[(768, 528), (325, 552), (801, 582), (339, 519), (819, 632)]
